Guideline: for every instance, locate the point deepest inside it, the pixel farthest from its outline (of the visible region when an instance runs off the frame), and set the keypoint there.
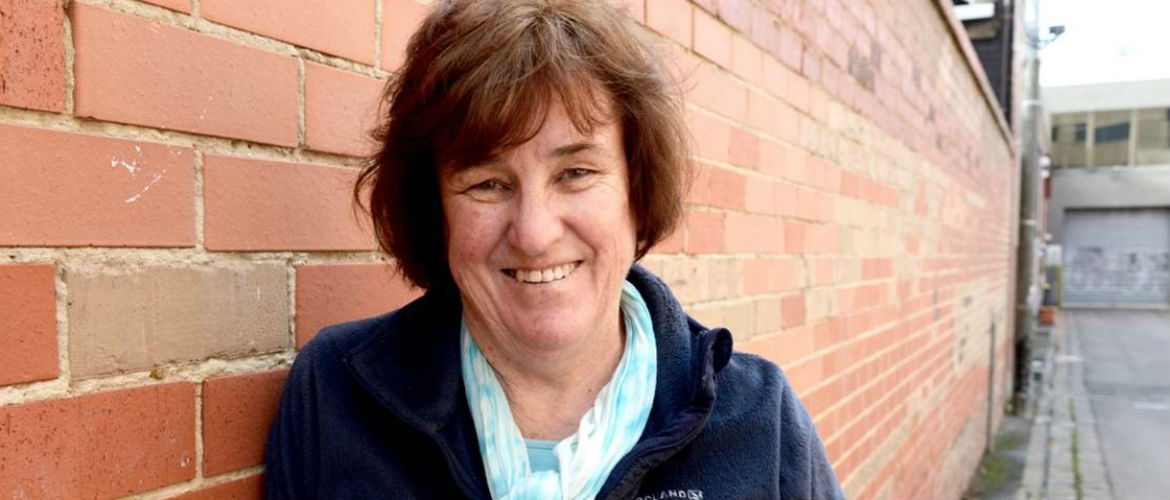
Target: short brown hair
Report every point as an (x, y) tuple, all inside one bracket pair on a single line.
[(479, 78)]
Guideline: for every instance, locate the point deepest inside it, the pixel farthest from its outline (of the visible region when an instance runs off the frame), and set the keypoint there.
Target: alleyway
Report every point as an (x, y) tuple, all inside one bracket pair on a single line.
[(1103, 428)]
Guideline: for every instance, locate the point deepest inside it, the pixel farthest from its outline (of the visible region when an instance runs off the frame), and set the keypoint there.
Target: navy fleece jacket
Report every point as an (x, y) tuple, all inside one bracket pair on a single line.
[(375, 409)]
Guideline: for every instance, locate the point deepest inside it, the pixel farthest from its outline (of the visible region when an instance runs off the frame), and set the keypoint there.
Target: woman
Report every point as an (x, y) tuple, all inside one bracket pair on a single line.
[(531, 154)]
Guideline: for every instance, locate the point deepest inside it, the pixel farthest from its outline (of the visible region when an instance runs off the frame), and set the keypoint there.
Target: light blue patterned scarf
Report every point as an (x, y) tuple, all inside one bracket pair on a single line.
[(606, 432)]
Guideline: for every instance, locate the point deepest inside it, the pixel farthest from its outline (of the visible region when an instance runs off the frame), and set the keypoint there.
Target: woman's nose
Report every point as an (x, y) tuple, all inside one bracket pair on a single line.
[(536, 224)]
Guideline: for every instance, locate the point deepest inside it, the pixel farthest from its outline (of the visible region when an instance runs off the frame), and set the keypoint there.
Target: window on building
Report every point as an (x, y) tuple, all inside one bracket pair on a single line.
[(1112, 133), (1069, 139), (1153, 137), (1111, 138)]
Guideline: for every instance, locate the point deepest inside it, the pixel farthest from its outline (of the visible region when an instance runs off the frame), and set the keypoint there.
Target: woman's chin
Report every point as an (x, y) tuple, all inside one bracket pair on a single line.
[(550, 336)]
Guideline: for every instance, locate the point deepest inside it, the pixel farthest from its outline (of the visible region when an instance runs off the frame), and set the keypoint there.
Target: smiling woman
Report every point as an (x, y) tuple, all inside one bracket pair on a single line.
[(531, 153)]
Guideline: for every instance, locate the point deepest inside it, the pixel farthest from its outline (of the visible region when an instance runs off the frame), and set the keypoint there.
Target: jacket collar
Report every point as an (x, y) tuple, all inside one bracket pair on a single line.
[(410, 364)]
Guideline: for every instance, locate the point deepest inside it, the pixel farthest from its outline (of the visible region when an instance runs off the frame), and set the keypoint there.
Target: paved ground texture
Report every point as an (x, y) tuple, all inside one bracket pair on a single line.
[(1102, 429)]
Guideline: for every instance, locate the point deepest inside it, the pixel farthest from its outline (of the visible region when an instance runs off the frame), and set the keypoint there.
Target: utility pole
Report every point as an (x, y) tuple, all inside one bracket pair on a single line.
[(1030, 249)]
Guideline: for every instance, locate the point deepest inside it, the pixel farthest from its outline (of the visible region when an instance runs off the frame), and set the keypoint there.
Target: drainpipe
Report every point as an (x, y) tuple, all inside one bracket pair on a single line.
[(1027, 289)]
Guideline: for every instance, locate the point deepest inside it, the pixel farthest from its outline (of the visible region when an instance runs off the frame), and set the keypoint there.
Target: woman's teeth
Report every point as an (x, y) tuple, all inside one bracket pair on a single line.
[(544, 275)]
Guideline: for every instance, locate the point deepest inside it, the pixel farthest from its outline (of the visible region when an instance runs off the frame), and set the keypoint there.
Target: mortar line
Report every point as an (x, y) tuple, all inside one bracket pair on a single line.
[(300, 107), (290, 276), (119, 254), (174, 490), (199, 432), (200, 217), (242, 148), (64, 372), (69, 57), (378, 36)]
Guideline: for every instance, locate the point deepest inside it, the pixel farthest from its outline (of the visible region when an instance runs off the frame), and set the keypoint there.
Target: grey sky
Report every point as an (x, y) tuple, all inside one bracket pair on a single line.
[(1105, 41)]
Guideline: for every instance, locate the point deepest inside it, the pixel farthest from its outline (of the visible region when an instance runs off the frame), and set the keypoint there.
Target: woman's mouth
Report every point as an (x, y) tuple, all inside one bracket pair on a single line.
[(546, 275)]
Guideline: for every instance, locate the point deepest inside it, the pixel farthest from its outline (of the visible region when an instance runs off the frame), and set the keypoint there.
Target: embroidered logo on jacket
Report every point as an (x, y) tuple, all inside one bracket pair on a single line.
[(667, 494)]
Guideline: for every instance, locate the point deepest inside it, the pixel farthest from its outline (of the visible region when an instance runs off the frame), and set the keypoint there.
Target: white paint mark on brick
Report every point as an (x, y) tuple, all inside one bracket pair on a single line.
[(150, 184), (130, 166), (203, 112)]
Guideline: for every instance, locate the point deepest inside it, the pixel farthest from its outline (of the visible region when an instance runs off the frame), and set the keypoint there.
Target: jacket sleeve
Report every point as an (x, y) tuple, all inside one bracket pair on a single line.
[(289, 456), (808, 473)]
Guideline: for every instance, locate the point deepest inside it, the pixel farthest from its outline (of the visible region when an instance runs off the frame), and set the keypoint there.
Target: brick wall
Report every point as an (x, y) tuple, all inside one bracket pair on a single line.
[(174, 223)]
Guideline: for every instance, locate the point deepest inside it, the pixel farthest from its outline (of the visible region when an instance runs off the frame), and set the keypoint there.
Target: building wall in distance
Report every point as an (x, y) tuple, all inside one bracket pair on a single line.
[(1105, 188), (173, 184)]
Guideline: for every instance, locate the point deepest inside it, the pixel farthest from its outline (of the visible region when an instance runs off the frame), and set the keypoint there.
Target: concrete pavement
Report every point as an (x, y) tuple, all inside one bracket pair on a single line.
[(1102, 428)]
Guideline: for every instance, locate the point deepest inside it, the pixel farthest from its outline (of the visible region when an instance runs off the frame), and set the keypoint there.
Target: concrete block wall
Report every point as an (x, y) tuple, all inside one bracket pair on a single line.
[(174, 224)]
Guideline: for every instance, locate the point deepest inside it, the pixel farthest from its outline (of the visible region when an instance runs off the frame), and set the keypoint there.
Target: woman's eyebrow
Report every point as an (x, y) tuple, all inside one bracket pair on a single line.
[(574, 148)]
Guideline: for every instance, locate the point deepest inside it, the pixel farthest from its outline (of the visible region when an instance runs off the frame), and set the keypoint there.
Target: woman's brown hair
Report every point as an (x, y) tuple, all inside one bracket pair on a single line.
[(479, 78)]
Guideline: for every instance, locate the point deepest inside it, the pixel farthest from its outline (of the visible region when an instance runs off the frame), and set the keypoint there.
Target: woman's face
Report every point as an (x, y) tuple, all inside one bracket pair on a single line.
[(540, 238)]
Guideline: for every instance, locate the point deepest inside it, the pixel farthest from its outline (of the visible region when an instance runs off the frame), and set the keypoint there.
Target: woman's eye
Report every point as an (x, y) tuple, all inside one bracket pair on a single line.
[(576, 173), (488, 186)]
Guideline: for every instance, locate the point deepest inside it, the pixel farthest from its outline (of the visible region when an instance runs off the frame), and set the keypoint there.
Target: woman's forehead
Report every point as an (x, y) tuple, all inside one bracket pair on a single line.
[(558, 133)]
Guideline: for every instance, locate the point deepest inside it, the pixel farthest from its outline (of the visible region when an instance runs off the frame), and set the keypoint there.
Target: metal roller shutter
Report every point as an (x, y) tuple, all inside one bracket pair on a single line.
[(1117, 257)]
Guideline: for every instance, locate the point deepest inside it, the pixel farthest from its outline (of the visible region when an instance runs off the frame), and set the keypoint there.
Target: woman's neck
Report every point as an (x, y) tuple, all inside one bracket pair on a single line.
[(549, 392)]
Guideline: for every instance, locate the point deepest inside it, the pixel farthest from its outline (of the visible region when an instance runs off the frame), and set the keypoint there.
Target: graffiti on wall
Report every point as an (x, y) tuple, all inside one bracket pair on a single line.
[(1117, 275)]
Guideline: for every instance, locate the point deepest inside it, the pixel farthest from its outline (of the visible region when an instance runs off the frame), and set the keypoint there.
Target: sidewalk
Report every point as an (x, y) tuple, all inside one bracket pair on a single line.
[(1064, 453)]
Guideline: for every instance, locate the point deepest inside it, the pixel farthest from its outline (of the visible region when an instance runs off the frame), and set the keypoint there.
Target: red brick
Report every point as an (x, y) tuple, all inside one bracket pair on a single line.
[(32, 54), (340, 110), (792, 310), (29, 324), (717, 91), (747, 60), (197, 83), (775, 76), (785, 195), (810, 65), (806, 204), (784, 348), (245, 488), (765, 32), (400, 18), (712, 137), (725, 188), (768, 275), (876, 269), (822, 239), (744, 149), (672, 243), (104, 445), (179, 5), (822, 271), (738, 13), (797, 90), (67, 189), (339, 27), (773, 117), (704, 232), (824, 175), (746, 233), (712, 39), (237, 411), (333, 293), (794, 236), (672, 18), (267, 205), (772, 157), (760, 197), (791, 48)]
